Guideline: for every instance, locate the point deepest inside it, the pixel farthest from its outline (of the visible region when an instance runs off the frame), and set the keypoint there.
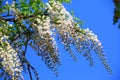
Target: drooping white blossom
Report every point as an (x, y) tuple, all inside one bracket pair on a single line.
[(10, 60), (58, 22), (71, 34), (44, 38)]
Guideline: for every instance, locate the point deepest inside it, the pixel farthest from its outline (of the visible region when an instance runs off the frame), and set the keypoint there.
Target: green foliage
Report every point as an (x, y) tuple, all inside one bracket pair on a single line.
[(66, 1), (117, 12), (61, 1), (78, 21)]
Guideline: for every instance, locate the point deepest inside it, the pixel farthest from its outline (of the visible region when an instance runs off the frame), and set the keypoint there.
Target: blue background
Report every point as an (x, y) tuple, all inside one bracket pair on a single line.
[(98, 17)]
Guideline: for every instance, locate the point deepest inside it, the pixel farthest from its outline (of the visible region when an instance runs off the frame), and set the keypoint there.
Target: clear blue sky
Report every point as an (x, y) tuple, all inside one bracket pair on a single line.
[(97, 16)]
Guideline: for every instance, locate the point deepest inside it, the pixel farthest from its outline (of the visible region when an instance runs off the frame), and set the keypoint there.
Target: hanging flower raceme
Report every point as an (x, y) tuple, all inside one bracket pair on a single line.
[(71, 34), (97, 47), (44, 39), (9, 59)]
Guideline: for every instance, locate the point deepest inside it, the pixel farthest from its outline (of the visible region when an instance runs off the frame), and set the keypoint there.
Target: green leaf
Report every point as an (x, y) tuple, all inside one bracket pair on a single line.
[(77, 19), (24, 5), (66, 1), (23, 1), (72, 13)]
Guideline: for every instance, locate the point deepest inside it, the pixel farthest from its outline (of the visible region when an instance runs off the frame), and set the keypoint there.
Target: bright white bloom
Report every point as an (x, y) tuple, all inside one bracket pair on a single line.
[(10, 59), (71, 33), (92, 36), (44, 38), (61, 18), (6, 2), (11, 24)]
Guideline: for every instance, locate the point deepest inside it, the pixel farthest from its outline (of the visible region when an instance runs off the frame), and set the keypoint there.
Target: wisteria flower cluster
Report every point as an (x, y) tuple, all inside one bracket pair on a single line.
[(60, 21), (39, 29), (9, 59)]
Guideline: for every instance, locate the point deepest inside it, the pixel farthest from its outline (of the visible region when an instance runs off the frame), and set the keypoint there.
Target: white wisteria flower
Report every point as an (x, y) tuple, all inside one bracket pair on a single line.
[(39, 26), (10, 60), (71, 34)]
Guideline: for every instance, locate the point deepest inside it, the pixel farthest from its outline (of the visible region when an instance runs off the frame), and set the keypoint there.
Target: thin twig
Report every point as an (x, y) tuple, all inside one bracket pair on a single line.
[(29, 72)]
